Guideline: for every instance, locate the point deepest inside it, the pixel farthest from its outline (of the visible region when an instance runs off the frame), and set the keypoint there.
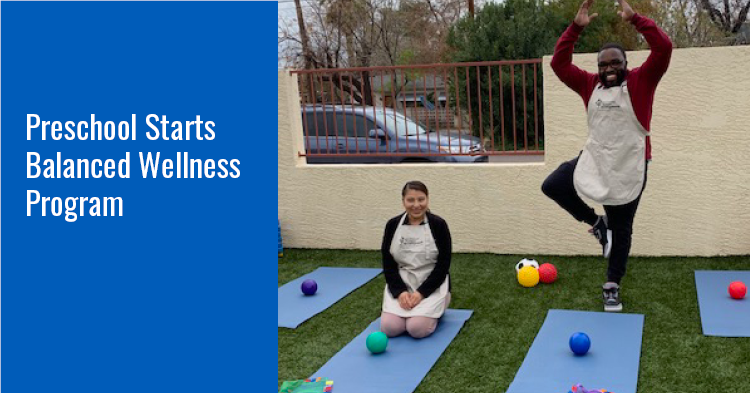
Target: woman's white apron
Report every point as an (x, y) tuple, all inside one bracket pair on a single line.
[(415, 252)]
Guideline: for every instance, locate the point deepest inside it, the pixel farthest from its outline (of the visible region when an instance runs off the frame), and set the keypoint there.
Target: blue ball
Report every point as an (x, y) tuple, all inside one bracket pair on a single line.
[(580, 343), (309, 287)]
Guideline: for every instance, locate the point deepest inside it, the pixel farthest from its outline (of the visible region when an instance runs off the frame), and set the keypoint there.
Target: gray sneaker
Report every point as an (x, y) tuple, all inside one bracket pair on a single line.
[(601, 231), (611, 296)]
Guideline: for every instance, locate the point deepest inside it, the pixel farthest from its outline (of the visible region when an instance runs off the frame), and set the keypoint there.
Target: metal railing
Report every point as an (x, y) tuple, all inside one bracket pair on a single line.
[(438, 112)]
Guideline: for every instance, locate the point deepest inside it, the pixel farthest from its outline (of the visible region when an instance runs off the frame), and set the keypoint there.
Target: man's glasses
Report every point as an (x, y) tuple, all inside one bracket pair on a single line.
[(616, 63)]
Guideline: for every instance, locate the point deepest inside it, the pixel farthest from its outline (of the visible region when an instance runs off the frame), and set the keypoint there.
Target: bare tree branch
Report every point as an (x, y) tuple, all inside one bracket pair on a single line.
[(731, 18), (741, 18)]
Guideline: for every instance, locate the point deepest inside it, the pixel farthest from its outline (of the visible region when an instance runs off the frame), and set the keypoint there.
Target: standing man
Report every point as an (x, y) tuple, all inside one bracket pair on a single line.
[(611, 168)]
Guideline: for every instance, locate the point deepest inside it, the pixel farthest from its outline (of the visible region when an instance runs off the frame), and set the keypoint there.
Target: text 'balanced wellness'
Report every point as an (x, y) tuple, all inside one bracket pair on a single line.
[(152, 164)]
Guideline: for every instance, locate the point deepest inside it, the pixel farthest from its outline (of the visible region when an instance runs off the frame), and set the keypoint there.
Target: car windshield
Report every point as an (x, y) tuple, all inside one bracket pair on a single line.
[(402, 125)]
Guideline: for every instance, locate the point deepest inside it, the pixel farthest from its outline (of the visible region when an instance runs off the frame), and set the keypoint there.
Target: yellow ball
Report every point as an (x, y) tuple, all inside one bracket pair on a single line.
[(528, 276)]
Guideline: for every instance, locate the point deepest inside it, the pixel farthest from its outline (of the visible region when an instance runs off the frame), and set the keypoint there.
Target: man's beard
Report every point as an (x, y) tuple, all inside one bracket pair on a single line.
[(620, 78)]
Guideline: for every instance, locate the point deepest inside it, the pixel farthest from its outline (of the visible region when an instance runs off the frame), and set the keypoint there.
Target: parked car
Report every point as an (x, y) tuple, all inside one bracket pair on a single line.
[(371, 135)]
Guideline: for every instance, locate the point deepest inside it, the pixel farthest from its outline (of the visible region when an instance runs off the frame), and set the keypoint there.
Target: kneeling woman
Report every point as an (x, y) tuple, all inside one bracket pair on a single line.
[(416, 260)]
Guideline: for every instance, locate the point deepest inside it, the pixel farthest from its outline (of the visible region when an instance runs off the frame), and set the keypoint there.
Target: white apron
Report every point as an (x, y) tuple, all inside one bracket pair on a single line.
[(611, 168), (415, 252)]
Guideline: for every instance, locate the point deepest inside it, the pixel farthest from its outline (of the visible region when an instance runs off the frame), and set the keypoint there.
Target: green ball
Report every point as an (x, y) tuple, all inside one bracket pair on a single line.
[(376, 342)]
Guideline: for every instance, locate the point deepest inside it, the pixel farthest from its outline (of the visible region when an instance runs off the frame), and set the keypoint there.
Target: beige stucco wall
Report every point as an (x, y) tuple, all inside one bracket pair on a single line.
[(697, 201)]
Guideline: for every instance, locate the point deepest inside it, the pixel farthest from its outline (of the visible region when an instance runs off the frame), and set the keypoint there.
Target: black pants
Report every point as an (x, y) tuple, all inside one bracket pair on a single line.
[(559, 187)]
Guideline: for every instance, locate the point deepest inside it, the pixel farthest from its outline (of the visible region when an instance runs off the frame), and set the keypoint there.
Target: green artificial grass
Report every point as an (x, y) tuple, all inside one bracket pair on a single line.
[(484, 357)]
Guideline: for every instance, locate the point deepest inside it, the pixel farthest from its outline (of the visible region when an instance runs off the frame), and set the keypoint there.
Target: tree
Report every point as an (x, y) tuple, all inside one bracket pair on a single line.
[(365, 33), (507, 31), (688, 24), (608, 27), (427, 25), (335, 41), (304, 40), (502, 32), (728, 15)]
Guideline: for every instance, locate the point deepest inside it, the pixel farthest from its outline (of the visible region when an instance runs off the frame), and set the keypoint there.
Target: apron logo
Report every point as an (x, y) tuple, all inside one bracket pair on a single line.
[(409, 241), (606, 104)]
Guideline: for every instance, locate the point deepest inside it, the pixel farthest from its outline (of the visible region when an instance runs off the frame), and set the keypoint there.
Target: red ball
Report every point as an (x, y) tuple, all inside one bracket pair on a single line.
[(737, 290), (547, 273)]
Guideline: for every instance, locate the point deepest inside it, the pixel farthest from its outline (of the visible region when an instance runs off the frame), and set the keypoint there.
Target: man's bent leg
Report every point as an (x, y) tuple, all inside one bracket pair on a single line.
[(559, 187)]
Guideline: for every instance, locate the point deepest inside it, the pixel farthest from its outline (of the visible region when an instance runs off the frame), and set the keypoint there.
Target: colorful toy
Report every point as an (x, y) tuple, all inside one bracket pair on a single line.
[(528, 276), (580, 389), (526, 262), (311, 385), (377, 342), (309, 287), (547, 273), (579, 343), (737, 290)]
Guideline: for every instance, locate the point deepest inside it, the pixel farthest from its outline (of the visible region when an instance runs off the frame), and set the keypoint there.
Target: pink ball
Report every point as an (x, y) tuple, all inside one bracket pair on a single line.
[(547, 273), (737, 290)]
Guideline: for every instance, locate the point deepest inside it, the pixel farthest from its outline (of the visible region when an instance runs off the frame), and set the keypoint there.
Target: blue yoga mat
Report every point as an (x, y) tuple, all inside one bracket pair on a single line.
[(720, 314), (400, 368), (611, 363), (333, 284)]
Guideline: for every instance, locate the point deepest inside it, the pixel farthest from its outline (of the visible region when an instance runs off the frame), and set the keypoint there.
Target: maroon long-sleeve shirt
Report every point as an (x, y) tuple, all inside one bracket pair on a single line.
[(641, 80)]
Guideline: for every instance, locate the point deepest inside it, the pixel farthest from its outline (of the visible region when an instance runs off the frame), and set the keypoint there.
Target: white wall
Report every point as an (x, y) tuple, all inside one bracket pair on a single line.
[(696, 201)]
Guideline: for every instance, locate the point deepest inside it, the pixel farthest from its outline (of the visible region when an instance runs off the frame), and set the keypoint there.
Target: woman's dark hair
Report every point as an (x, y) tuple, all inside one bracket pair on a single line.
[(414, 185)]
